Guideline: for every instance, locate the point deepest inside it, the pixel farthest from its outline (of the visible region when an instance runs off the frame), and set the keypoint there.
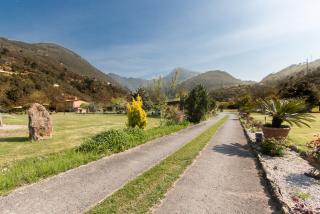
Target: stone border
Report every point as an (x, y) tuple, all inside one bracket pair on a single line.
[(273, 187)]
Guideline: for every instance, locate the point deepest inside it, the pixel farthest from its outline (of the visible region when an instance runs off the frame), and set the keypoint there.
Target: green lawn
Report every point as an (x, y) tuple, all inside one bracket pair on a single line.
[(298, 136), (69, 131)]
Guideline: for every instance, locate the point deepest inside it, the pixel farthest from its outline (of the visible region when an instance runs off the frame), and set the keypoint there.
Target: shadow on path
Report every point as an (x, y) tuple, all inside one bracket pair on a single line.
[(234, 149)]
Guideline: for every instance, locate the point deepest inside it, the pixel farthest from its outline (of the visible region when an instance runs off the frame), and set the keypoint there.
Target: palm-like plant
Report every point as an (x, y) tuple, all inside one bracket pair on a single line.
[(290, 111)]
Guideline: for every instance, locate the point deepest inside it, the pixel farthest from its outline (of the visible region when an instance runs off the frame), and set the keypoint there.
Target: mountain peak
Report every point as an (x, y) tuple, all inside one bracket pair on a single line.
[(212, 80)]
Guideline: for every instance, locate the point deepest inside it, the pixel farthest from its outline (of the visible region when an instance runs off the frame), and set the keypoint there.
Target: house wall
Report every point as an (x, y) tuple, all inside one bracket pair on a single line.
[(74, 105), (77, 103)]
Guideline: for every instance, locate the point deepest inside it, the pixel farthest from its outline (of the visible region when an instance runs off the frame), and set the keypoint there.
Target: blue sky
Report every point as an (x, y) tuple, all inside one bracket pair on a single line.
[(145, 38)]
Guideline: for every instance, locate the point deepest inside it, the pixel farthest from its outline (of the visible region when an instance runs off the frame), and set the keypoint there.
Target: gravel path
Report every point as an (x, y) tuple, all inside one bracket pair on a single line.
[(12, 127), (223, 179), (77, 190)]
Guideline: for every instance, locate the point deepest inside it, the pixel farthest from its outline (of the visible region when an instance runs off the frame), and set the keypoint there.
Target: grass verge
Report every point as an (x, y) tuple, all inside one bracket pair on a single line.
[(142, 193), (30, 170)]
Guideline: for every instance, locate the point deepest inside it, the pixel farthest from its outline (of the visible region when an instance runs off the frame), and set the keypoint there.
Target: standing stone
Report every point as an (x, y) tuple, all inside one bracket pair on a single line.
[(40, 123)]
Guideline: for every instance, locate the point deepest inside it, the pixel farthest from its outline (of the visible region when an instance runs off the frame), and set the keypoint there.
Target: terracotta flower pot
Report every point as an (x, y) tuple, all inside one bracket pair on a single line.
[(276, 133)]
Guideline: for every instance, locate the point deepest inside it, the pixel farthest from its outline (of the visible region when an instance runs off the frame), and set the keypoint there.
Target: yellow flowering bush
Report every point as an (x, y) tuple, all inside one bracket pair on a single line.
[(136, 115)]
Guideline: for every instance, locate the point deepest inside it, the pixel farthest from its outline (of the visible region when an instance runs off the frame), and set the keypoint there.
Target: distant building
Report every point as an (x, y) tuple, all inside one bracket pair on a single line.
[(173, 102), (73, 104)]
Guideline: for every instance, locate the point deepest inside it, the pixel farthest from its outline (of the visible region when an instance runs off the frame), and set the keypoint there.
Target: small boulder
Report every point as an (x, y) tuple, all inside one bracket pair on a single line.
[(40, 123)]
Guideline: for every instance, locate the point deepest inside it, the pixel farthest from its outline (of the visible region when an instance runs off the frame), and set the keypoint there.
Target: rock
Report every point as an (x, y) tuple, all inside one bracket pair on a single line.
[(40, 123), (259, 137), (294, 148)]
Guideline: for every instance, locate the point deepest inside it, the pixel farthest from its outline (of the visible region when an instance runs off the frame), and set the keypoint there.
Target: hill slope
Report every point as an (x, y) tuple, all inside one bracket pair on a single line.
[(291, 71), (212, 80), (44, 72)]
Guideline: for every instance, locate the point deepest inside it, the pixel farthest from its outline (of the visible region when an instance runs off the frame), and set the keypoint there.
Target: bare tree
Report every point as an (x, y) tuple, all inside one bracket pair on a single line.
[(174, 83)]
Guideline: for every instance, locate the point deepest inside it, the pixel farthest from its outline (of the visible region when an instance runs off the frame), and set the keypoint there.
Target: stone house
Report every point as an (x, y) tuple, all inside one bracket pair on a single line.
[(73, 104)]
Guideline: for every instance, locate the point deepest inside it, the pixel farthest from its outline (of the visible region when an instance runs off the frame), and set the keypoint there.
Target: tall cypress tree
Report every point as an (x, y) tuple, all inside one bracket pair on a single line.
[(197, 104)]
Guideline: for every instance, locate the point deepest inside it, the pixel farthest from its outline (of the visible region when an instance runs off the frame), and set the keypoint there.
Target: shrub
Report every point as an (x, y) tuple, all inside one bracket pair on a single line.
[(315, 146), (135, 134), (173, 115), (197, 104), (111, 140), (273, 147), (249, 122), (136, 115)]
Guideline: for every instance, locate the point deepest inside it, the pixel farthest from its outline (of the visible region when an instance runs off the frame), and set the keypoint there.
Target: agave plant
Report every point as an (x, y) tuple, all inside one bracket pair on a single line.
[(290, 111)]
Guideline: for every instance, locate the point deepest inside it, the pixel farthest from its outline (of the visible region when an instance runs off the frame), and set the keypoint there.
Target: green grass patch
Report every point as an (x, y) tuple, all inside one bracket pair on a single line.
[(142, 193), (33, 169), (69, 130), (303, 195), (298, 136)]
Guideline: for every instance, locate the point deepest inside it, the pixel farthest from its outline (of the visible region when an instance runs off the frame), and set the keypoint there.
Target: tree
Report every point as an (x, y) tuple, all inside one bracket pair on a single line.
[(136, 115), (92, 107), (172, 91), (85, 106), (118, 102), (142, 92), (197, 104), (157, 95), (212, 105), (245, 103), (303, 90)]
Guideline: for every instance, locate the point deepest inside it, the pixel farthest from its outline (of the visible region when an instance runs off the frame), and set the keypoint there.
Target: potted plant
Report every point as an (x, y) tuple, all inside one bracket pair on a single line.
[(289, 111)]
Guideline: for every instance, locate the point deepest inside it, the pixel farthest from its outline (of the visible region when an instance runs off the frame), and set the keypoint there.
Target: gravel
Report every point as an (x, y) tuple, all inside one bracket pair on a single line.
[(288, 173), (287, 176)]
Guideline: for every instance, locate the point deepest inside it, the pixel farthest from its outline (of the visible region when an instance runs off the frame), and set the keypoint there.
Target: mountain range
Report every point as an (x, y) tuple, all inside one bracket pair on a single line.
[(135, 83), (217, 79), (45, 72), (186, 80)]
